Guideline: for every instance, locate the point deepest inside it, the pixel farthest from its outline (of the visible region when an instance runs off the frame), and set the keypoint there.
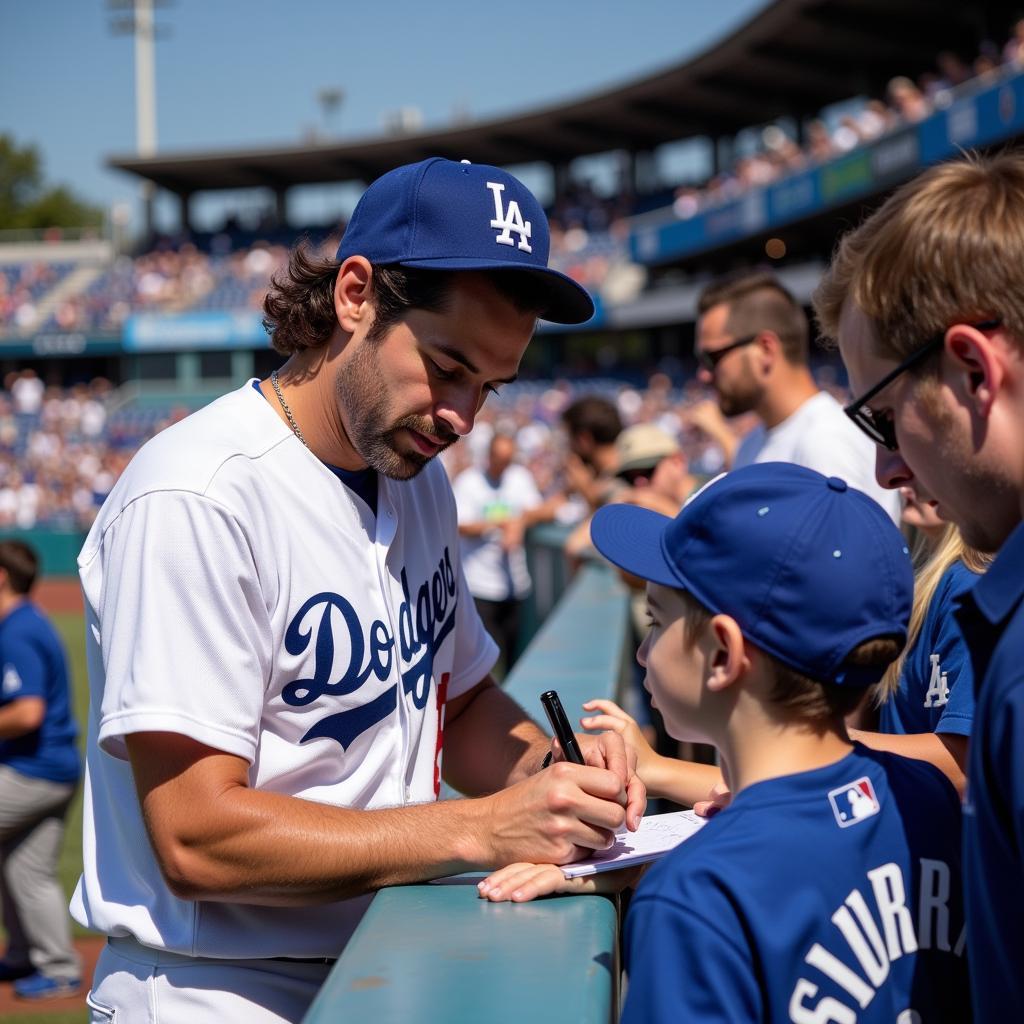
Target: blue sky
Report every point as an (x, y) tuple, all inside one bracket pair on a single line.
[(237, 73)]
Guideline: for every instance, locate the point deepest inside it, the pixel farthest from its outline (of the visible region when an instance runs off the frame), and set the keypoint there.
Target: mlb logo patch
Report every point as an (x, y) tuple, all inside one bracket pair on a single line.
[(854, 802)]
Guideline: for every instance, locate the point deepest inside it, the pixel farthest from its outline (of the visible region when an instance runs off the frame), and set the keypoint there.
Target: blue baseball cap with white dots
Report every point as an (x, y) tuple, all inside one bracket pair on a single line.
[(809, 567)]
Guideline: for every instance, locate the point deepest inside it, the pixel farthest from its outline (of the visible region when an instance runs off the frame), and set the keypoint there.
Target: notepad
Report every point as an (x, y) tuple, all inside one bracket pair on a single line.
[(657, 834)]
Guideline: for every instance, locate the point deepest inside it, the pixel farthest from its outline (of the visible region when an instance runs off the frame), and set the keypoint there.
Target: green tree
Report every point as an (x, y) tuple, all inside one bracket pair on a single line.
[(26, 201)]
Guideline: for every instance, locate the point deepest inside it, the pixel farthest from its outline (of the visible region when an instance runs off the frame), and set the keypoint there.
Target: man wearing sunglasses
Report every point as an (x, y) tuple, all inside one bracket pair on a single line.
[(752, 348), (926, 302)]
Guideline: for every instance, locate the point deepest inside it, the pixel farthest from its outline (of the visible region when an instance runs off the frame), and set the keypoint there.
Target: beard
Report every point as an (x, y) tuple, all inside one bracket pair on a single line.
[(360, 392), (744, 394)]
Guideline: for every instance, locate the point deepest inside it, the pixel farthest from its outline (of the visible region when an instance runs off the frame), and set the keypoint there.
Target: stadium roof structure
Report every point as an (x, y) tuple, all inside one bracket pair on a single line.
[(792, 57)]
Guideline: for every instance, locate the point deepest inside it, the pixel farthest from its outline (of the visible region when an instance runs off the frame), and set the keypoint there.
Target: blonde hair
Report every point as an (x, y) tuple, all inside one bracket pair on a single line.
[(931, 568), (944, 247)]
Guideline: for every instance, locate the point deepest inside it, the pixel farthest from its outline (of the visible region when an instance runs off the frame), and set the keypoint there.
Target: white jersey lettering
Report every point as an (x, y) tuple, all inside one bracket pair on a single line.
[(890, 894), (828, 1011), (933, 905), (874, 948), (870, 954), (835, 969)]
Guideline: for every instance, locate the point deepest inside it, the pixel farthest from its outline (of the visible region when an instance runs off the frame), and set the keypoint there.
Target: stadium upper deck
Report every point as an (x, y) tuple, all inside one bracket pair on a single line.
[(167, 297)]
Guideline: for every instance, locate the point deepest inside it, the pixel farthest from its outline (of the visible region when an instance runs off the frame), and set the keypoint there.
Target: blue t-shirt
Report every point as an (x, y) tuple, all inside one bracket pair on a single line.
[(936, 688), (992, 618), (33, 664), (829, 895)]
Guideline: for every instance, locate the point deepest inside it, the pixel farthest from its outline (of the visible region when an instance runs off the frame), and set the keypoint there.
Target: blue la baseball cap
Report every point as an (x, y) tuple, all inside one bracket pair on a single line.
[(442, 215), (809, 567)]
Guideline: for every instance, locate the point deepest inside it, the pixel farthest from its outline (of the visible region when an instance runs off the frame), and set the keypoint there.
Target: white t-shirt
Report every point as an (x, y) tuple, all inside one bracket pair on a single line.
[(820, 436), (238, 593), (494, 574)]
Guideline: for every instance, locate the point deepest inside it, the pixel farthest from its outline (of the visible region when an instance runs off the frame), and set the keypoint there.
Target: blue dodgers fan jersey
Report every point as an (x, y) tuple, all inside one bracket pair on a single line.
[(828, 896), (936, 691), (33, 664), (992, 617)]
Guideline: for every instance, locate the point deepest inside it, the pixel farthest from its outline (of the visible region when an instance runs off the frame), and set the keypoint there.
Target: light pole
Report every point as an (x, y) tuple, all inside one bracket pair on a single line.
[(137, 18), (330, 99)]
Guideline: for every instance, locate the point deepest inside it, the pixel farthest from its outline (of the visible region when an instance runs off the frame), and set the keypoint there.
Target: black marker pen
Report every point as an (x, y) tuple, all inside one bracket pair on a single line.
[(560, 726)]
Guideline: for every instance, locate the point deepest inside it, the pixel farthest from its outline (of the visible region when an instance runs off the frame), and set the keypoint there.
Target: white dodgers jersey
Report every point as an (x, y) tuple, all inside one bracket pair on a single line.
[(238, 593)]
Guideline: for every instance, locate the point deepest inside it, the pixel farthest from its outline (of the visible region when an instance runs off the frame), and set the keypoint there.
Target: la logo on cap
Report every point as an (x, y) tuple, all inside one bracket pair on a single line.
[(509, 220)]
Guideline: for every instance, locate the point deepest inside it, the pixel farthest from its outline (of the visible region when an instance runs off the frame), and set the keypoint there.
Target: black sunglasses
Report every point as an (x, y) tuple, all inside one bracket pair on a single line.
[(709, 360), (881, 426)]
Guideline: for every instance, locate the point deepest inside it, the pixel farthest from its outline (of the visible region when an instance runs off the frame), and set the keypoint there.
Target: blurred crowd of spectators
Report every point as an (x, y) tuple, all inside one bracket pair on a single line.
[(62, 449), (167, 280), (22, 285), (906, 102)]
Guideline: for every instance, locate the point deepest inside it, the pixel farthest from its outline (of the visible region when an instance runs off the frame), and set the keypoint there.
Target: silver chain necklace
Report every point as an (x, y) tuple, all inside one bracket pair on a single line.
[(284, 405)]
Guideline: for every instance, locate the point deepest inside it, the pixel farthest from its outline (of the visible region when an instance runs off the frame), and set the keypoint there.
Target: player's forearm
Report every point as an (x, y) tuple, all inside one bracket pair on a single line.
[(947, 751), (251, 846), (493, 743), (683, 782)]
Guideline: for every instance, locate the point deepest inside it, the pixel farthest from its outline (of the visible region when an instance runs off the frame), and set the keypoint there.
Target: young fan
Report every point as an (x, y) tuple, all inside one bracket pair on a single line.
[(829, 889), (922, 708)]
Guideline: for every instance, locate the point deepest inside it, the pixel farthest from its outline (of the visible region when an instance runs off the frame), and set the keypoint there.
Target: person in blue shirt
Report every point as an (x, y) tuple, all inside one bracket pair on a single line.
[(829, 889), (925, 702), (39, 770), (923, 706), (925, 301)]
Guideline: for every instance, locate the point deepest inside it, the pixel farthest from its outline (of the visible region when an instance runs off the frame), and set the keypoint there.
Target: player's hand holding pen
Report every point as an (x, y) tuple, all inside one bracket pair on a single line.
[(560, 814), (600, 751), (569, 809)]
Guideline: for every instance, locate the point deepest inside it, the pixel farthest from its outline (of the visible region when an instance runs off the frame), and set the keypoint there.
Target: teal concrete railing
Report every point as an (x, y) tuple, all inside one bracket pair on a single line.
[(436, 953)]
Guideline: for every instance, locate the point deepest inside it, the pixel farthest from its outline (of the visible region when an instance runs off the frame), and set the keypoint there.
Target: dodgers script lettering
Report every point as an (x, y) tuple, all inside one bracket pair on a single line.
[(425, 618)]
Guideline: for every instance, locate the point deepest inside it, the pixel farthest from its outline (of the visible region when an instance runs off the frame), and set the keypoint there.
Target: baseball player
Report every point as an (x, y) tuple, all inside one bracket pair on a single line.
[(829, 889), (281, 642)]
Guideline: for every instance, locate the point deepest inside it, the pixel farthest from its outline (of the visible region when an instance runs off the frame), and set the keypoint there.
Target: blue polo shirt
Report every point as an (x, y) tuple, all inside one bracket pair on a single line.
[(33, 664), (827, 895), (992, 619), (936, 688)]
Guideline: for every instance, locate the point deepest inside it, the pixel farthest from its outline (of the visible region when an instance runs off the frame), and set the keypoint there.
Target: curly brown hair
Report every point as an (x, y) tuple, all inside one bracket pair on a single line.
[(299, 306)]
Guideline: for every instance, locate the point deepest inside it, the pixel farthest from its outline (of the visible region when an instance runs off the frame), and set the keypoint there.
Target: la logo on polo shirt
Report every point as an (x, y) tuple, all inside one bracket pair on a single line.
[(854, 802), (11, 681)]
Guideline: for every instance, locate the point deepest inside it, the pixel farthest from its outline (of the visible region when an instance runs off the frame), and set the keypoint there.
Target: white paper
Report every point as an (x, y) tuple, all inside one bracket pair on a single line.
[(657, 834)]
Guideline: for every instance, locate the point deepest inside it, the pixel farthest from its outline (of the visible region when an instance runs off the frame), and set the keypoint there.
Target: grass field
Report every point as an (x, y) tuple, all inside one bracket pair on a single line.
[(72, 631)]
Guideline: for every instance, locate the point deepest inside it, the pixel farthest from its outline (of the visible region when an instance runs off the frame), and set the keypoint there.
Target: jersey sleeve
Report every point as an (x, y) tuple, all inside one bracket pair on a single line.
[(23, 668), (954, 659), (684, 967), (183, 627)]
